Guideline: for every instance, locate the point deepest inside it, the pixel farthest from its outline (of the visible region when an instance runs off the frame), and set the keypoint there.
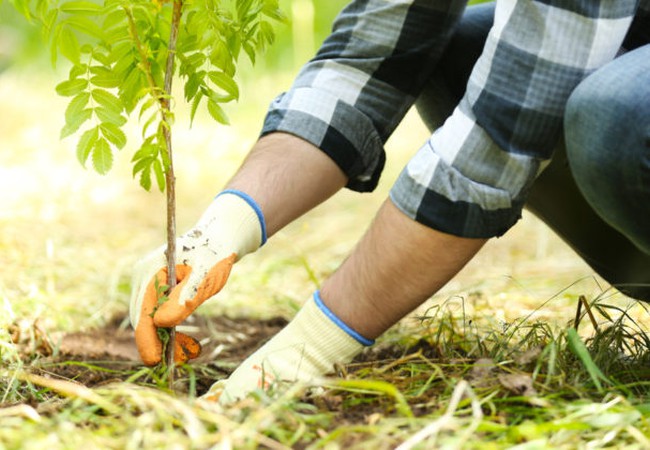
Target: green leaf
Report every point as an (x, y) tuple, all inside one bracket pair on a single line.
[(49, 19), (124, 68), (149, 122), (23, 8), (108, 100), (76, 106), (121, 55), (70, 88), (160, 174), (145, 177), (267, 33), (242, 8), (217, 112), (80, 7), (69, 45), (250, 51), (114, 19), (117, 34), (234, 45), (130, 88), (195, 106), (114, 134), (142, 164), (84, 25), (146, 151), (196, 59), (106, 115), (225, 82), (86, 143), (87, 49), (163, 153), (221, 58), (151, 101), (271, 9), (103, 77), (75, 122), (77, 71), (102, 157), (192, 85), (54, 54)]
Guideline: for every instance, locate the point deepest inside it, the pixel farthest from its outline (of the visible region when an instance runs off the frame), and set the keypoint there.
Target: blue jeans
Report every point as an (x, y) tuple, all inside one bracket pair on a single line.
[(595, 193)]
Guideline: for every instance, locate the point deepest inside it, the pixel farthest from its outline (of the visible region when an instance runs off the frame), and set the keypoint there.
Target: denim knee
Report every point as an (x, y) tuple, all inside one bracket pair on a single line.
[(607, 133)]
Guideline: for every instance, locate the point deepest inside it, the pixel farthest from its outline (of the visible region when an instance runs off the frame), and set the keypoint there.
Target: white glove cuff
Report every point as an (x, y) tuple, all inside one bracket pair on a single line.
[(339, 323), (236, 220)]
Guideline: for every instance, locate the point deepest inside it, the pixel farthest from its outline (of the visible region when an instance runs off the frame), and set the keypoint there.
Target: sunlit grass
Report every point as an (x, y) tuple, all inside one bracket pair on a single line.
[(439, 394)]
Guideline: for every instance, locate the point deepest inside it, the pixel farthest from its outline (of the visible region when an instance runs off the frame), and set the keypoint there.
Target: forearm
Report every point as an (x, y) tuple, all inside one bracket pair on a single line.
[(397, 265), (287, 176)]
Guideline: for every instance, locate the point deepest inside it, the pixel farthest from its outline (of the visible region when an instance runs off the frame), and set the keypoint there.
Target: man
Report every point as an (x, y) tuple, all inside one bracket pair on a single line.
[(509, 79)]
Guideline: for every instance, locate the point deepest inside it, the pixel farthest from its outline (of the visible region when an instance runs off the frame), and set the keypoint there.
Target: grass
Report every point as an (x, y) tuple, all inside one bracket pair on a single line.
[(447, 389), (489, 362)]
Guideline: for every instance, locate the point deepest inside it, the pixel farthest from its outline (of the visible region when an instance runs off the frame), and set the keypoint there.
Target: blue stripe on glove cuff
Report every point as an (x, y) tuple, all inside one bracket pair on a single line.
[(342, 325), (248, 199)]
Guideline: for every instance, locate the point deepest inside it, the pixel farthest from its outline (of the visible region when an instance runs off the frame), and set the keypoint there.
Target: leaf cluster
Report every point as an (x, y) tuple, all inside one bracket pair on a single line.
[(118, 51)]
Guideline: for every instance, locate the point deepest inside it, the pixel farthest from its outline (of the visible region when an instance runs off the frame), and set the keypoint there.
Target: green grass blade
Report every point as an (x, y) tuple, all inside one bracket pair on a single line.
[(580, 350), (380, 387)]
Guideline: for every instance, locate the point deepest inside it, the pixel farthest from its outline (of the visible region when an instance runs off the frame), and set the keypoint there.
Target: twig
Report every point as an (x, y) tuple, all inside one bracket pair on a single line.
[(576, 321), (588, 309), (583, 301)]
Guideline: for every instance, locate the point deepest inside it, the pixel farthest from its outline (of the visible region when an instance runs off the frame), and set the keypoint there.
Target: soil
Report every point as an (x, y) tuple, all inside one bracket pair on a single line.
[(108, 354)]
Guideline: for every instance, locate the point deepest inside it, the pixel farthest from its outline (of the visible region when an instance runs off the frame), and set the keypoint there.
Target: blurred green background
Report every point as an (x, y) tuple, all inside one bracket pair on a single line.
[(309, 23)]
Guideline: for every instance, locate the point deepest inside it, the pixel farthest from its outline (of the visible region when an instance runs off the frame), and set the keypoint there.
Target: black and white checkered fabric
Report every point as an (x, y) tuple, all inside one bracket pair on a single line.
[(472, 176)]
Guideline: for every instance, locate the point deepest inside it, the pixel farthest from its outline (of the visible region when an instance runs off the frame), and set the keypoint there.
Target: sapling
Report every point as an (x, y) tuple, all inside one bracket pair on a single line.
[(125, 55)]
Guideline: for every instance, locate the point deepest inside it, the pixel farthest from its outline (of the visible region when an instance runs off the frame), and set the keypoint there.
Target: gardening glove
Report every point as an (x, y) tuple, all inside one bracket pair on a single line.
[(305, 350), (231, 227)]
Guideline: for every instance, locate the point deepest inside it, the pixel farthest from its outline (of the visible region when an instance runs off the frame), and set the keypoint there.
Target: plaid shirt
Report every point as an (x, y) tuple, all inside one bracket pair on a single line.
[(472, 176)]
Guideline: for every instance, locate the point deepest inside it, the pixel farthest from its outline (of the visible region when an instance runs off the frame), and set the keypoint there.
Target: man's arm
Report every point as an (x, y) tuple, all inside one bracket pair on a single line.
[(398, 264), (287, 176)]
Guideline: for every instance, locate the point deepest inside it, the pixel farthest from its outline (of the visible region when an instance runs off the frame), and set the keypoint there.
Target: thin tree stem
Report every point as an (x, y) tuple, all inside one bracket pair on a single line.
[(170, 179)]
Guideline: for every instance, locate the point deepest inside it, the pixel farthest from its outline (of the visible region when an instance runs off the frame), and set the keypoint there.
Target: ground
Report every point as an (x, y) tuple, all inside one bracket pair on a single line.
[(486, 363)]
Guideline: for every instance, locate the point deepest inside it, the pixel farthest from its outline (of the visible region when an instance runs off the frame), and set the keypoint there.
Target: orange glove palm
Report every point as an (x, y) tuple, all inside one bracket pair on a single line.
[(230, 228), (173, 312)]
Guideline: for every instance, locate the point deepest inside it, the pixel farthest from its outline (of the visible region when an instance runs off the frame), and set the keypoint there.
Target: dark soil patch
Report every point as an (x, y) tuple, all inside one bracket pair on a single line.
[(108, 354)]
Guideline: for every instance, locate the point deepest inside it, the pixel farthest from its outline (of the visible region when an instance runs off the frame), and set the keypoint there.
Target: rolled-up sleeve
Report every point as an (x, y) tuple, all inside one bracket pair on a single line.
[(471, 178), (351, 96)]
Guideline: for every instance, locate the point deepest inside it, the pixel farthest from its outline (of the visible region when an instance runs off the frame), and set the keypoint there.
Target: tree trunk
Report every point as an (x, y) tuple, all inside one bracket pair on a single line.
[(170, 179)]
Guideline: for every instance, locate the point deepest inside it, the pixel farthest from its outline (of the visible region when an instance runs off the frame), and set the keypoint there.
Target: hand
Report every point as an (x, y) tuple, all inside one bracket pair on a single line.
[(304, 351), (230, 228), (202, 275)]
